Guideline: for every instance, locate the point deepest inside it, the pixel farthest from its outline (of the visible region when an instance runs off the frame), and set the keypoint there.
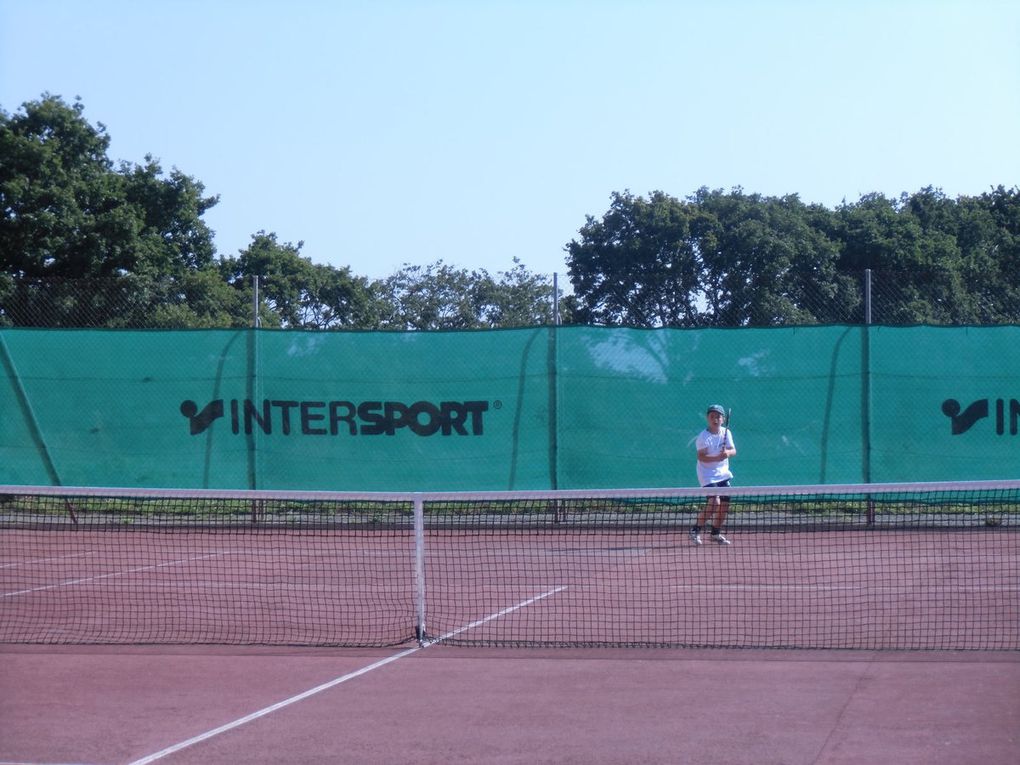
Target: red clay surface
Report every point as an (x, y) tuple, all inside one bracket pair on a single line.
[(919, 589), (121, 705)]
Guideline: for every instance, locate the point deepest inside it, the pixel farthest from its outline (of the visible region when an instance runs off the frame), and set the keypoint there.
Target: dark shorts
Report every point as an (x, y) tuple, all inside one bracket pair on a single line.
[(718, 485)]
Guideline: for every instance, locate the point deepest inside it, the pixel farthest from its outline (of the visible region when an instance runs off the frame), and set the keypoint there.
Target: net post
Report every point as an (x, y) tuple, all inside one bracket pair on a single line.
[(419, 569)]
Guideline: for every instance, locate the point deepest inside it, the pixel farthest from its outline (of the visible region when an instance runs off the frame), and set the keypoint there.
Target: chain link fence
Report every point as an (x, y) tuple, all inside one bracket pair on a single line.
[(120, 303), (886, 298)]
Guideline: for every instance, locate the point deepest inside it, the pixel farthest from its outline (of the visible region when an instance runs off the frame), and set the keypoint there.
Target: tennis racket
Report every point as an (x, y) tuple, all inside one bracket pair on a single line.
[(726, 429)]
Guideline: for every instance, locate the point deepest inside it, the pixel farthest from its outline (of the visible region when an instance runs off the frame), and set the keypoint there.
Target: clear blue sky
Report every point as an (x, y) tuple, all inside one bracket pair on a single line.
[(392, 132)]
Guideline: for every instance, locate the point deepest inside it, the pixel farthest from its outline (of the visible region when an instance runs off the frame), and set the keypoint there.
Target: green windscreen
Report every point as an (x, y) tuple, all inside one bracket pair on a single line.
[(538, 408)]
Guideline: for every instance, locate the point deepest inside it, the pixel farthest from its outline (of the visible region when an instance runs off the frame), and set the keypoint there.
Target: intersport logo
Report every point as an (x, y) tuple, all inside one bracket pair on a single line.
[(963, 418), (339, 418)]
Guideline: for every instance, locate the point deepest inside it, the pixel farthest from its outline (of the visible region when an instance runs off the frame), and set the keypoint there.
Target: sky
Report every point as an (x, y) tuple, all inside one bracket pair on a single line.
[(398, 132)]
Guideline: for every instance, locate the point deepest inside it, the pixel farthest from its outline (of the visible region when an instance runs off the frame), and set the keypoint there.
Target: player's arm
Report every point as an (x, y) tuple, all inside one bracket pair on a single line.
[(729, 448), (705, 456), (726, 453)]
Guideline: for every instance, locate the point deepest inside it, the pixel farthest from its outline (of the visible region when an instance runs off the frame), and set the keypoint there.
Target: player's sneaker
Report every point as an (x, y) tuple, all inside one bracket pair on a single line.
[(720, 539), (695, 537)]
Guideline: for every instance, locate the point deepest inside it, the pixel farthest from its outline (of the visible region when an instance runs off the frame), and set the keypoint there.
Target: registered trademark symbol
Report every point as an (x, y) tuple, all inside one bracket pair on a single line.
[(497, 404)]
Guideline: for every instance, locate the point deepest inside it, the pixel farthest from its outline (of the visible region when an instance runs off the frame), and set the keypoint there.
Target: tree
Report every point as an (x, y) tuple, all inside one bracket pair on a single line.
[(714, 259), (58, 193), (81, 239), (516, 298), (911, 246), (440, 296), (200, 299), (641, 264), (989, 239), (84, 243), (435, 296), (295, 293), (769, 261)]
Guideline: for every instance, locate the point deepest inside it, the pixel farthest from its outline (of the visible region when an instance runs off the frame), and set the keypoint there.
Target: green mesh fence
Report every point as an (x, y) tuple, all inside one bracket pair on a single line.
[(568, 407)]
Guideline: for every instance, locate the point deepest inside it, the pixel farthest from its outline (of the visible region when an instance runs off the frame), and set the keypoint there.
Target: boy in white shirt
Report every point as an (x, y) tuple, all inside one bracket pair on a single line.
[(715, 447)]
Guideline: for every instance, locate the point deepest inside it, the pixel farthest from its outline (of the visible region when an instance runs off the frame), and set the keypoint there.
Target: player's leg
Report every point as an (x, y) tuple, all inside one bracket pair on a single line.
[(703, 517), (719, 518)]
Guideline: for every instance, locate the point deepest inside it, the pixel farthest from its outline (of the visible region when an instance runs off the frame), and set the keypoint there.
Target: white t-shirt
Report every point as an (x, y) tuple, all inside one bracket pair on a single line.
[(713, 472)]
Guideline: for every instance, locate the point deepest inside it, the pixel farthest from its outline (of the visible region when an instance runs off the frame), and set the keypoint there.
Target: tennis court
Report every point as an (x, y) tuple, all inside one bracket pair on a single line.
[(896, 590), (318, 632), (107, 705)]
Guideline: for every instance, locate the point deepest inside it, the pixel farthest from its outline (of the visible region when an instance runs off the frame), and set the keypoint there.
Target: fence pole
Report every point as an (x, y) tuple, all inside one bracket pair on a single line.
[(556, 299), (867, 296), (256, 321), (553, 361), (866, 394)]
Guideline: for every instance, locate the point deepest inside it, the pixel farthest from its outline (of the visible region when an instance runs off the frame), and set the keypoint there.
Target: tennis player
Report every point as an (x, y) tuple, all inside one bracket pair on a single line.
[(715, 447)]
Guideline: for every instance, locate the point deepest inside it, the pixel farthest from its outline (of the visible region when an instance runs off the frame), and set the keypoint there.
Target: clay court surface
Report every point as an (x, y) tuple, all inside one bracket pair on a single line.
[(121, 702), (108, 705)]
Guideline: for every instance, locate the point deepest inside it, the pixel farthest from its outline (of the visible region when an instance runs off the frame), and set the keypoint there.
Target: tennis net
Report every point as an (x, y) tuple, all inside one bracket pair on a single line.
[(877, 566)]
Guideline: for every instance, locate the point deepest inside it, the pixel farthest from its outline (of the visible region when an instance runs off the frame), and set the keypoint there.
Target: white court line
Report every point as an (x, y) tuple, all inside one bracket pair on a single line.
[(86, 580), (270, 709), (33, 561), (332, 683), (498, 614)]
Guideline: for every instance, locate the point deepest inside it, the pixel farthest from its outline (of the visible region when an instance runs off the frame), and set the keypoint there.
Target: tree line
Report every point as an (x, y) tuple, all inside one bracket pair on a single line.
[(87, 242), (730, 259)]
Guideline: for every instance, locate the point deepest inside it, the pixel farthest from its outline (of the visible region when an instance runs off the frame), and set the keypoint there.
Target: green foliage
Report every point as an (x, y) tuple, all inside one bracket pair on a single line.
[(518, 298), (641, 264), (732, 259), (296, 293), (439, 296), (123, 247), (69, 214), (84, 243), (767, 264)]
